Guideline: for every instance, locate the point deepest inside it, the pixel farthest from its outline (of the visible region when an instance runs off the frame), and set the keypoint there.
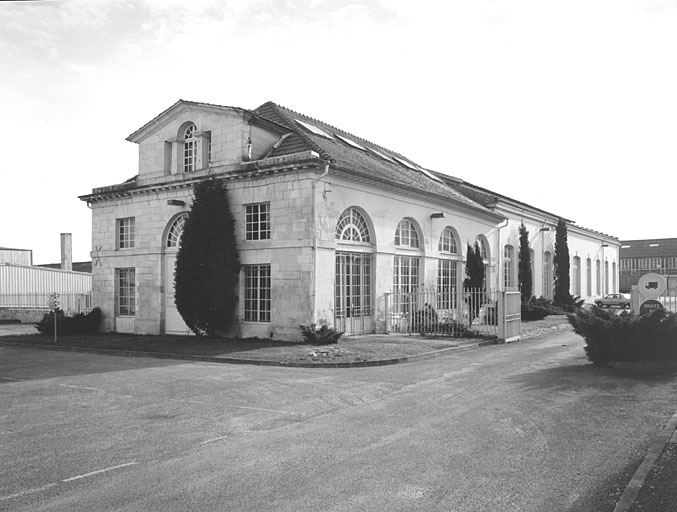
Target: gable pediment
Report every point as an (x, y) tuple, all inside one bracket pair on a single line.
[(177, 110)]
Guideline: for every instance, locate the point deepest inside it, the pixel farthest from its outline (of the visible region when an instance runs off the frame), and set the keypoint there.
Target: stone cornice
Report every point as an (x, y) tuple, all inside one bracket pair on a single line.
[(295, 162)]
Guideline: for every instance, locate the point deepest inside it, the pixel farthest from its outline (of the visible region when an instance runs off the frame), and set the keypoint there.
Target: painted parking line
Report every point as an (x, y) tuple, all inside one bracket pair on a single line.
[(214, 439), (80, 387), (26, 492), (65, 481), (99, 471)]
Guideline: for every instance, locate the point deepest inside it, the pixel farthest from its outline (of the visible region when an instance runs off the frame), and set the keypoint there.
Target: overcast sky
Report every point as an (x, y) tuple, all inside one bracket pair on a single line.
[(568, 105)]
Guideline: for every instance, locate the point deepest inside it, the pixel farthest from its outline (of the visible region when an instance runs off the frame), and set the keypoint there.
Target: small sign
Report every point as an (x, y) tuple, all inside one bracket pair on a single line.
[(651, 285), (649, 305)]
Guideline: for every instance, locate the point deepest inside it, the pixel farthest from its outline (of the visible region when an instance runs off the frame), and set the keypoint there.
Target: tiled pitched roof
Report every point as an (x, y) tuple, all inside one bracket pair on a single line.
[(361, 162)]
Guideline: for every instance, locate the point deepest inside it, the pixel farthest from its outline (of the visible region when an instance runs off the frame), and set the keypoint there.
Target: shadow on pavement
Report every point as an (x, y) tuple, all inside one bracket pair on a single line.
[(580, 376)]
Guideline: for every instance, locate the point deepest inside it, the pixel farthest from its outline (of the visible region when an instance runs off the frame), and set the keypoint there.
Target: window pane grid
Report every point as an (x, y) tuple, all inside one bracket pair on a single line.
[(446, 284), (257, 221), (405, 282), (352, 227), (125, 233), (448, 242), (175, 232), (126, 291), (189, 149), (257, 296), (406, 234)]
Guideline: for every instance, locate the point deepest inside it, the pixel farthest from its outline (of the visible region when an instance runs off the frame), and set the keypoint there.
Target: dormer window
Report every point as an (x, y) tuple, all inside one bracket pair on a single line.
[(189, 148)]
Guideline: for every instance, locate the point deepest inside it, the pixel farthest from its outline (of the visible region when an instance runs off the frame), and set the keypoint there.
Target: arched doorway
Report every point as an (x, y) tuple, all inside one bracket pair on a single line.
[(174, 323), (353, 295)]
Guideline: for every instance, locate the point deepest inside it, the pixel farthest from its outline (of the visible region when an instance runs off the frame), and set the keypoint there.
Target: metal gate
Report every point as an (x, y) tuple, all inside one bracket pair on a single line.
[(509, 315), (353, 312)]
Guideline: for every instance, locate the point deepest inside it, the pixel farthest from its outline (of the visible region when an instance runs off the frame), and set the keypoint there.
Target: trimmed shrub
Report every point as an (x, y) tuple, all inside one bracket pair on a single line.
[(626, 337), (532, 311), (80, 323), (325, 335)]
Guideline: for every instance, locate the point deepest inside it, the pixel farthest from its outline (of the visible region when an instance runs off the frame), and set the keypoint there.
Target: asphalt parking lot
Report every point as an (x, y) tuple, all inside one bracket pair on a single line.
[(529, 426)]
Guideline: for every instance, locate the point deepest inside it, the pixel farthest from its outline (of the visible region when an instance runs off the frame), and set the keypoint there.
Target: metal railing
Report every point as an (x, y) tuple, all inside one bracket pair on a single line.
[(69, 302), (466, 312)]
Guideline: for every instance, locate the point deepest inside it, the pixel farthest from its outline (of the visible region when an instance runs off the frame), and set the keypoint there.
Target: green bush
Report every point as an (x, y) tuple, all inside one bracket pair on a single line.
[(325, 335), (532, 311), (78, 324), (626, 337)]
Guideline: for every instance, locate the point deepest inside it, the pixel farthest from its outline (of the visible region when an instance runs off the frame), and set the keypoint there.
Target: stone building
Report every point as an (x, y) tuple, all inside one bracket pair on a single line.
[(327, 223)]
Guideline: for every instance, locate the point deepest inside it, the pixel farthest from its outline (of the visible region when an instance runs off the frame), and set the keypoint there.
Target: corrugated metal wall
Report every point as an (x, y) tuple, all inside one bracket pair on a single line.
[(16, 256), (20, 279)]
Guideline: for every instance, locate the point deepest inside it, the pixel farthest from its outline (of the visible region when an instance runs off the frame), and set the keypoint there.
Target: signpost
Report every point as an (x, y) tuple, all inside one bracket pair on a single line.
[(649, 305), (650, 286), (54, 306)]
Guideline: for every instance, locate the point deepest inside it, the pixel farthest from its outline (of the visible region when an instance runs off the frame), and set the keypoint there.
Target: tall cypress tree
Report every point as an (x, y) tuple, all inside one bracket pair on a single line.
[(561, 263), (474, 271), (207, 264), (474, 267), (524, 276)]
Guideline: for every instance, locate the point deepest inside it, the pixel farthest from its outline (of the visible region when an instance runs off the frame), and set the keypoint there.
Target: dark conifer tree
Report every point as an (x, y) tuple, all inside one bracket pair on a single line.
[(474, 267), (524, 276), (561, 263), (474, 271), (207, 264)]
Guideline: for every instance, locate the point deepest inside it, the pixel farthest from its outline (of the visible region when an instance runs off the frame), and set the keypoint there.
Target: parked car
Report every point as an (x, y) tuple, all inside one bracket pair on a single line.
[(614, 299)]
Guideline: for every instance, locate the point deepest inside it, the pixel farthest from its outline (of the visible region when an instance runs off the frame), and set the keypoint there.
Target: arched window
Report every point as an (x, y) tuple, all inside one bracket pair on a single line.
[(352, 227), (447, 270), (576, 275), (598, 277), (588, 277), (448, 242), (547, 275), (175, 232), (189, 148), (508, 266), (406, 234)]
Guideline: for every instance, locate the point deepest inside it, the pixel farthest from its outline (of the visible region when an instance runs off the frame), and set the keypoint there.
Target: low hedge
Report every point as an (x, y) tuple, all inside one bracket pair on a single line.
[(78, 324), (626, 337)]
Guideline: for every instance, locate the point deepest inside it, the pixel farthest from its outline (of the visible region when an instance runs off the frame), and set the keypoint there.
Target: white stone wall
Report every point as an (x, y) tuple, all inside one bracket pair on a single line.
[(229, 134), (383, 211), (289, 251), (581, 242)]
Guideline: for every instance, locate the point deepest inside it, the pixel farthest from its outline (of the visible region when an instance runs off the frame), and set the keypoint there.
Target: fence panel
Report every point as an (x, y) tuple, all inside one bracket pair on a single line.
[(471, 311), (68, 302)]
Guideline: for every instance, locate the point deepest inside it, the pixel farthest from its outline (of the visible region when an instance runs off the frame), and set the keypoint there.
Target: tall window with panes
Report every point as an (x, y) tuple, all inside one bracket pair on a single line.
[(189, 149), (125, 291), (257, 300), (406, 268), (257, 221), (447, 278), (124, 233), (508, 266)]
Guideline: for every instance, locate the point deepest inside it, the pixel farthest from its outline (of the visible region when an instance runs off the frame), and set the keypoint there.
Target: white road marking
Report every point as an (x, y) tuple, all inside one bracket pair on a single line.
[(80, 387), (78, 477), (24, 493), (254, 408), (212, 440)]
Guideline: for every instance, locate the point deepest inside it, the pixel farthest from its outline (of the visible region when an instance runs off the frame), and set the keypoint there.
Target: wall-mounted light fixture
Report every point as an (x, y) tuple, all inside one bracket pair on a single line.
[(437, 216), (542, 230), (176, 202)]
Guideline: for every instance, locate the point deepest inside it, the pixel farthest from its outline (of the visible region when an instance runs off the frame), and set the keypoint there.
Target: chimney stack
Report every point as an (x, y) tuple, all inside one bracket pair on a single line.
[(66, 251)]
